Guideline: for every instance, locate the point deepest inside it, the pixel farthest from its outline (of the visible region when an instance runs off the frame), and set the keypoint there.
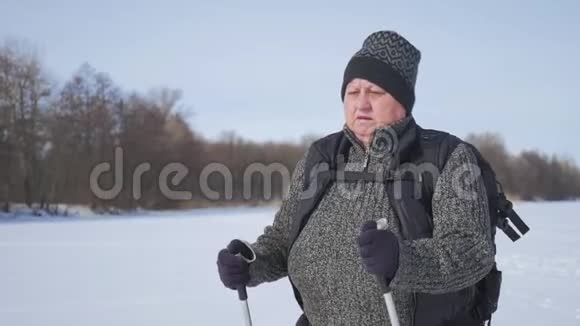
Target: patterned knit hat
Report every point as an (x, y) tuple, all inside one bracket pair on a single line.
[(388, 60)]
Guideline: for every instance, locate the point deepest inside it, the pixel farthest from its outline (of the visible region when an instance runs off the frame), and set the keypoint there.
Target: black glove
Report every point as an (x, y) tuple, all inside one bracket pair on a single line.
[(379, 250), (234, 264)]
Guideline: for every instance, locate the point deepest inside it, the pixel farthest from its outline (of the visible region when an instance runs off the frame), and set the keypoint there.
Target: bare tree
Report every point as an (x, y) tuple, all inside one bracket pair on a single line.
[(24, 92)]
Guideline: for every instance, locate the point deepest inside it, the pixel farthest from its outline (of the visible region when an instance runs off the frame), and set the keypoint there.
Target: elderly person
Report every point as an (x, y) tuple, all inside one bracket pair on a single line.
[(333, 253)]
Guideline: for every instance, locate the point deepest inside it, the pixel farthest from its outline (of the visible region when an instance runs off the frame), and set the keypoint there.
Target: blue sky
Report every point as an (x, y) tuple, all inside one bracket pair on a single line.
[(272, 70)]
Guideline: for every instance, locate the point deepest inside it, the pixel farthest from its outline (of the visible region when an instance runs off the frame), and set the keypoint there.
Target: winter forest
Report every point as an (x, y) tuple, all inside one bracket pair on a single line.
[(54, 132)]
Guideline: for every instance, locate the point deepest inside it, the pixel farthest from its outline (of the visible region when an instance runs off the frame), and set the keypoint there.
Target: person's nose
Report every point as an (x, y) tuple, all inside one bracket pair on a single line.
[(362, 101)]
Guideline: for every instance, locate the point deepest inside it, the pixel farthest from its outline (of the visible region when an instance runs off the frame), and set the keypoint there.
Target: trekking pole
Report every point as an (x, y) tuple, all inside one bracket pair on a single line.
[(382, 225), (249, 256), (243, 296)]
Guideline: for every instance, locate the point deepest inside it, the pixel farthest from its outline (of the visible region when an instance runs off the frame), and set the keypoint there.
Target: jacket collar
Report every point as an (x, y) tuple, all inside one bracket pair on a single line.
[(397, 139)]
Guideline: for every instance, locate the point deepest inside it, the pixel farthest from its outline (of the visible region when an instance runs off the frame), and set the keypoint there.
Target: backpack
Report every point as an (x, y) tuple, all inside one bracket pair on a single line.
[(416, 146)]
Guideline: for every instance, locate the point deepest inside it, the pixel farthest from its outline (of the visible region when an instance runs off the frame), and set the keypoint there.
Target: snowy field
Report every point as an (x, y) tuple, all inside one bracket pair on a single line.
[(159, 269)]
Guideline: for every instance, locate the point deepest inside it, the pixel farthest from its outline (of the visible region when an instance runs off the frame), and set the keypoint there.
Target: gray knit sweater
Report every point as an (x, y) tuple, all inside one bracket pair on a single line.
[(324, 263)]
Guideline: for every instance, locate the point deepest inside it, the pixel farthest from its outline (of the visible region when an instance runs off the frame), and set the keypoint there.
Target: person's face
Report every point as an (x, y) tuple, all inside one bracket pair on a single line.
[(367, 107)]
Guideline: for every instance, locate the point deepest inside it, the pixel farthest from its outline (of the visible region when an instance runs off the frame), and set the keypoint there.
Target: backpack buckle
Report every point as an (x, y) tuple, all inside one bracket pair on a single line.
[(507, 213), (503, 224)]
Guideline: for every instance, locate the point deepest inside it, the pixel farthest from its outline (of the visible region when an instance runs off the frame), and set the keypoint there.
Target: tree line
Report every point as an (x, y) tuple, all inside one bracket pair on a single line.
[(53, 135), (531, 174)]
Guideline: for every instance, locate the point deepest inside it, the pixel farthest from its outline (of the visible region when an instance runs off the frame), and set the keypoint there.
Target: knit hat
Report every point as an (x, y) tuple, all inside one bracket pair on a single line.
[(388, 60)]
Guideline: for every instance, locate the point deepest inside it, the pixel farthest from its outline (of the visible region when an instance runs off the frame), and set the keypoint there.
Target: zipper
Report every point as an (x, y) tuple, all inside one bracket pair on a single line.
[(363, 147), (414, 309), (368, 151), (367, 159)]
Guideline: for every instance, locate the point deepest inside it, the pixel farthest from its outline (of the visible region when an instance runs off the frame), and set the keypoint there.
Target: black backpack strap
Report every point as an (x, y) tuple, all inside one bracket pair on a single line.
[(319, 172), (431, 149), (435, 148)]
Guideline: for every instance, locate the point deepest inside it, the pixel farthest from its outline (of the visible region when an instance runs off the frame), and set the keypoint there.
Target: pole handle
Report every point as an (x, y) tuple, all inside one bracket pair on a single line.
[(382, 284), (391, 309), (242, 293)]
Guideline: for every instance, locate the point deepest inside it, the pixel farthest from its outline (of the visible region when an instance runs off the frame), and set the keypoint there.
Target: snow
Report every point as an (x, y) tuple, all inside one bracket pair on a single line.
[(157, 268)]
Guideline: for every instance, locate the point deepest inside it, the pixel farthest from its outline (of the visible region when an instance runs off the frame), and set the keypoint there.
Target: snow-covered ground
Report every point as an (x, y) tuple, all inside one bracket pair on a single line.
[(159, 269)]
